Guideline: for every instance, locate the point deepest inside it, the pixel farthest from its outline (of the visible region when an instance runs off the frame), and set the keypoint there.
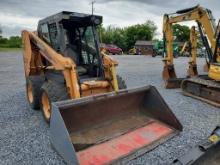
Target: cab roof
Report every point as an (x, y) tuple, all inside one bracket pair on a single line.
[(79, 19)]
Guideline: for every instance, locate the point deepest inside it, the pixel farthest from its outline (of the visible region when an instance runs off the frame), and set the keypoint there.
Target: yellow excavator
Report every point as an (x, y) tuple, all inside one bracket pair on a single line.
[(192, 49), (189, 48), (132, 51), (192, 68), (203, 87), (93, 118), (184, 49)]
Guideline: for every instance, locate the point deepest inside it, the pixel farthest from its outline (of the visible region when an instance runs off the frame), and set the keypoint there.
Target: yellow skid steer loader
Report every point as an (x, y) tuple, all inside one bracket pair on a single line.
[(93, 118)]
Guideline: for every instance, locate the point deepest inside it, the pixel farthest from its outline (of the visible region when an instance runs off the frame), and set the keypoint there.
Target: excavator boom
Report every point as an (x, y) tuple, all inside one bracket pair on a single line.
[(207, 29)]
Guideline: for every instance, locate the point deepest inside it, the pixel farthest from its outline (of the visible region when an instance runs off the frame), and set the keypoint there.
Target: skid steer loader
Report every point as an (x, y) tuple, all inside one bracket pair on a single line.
[(93, 118)]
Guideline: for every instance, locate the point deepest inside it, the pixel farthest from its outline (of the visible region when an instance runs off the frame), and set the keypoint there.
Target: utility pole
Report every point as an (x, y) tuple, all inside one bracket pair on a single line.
[(93, 2), (0, 32)]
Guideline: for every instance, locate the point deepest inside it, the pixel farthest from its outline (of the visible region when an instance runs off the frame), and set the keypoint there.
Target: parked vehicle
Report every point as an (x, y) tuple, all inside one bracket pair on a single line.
[(134, 51), (111, 49)]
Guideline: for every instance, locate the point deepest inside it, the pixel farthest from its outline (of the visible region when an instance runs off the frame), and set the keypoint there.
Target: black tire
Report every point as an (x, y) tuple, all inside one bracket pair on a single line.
[(55, 92), (35, 83), (121, 83)]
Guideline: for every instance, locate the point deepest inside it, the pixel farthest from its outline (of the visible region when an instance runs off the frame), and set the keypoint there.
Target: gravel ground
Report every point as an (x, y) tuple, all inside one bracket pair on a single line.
[(24, 136)]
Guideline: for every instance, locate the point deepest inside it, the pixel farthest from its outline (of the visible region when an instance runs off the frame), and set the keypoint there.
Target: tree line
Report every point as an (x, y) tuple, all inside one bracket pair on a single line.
[(12, 42), (124, 38)]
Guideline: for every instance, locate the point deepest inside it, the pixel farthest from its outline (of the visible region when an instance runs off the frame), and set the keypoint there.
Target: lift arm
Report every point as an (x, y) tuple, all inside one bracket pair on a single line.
[(31, 61)]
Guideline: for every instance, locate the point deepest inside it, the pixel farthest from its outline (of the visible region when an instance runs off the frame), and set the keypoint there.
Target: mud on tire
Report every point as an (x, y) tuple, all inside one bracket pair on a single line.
[(33, 86), (54, 92)]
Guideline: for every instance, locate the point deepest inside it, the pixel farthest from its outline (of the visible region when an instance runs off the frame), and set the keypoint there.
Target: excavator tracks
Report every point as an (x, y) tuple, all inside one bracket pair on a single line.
[(203, 89)]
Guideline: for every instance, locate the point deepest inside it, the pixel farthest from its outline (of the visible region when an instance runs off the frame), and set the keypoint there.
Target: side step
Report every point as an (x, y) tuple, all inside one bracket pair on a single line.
[(111, 128)]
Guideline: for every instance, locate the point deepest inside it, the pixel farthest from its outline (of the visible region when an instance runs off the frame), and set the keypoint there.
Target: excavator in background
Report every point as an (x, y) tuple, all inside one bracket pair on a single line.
[(93, 118), (187, 46), (133, 51), (158, 49), (204, 87), (192, 68), (184, 51)]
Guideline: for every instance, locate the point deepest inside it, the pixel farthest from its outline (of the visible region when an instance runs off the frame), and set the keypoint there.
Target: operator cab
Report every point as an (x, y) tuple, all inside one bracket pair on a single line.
[(74, 35)]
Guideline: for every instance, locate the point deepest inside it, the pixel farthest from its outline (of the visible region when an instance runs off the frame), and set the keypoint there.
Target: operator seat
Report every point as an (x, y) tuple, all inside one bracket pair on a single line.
[(73, 51)]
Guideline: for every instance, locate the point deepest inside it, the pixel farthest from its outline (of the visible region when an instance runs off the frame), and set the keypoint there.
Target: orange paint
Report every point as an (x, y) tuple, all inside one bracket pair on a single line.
[(119, 147)]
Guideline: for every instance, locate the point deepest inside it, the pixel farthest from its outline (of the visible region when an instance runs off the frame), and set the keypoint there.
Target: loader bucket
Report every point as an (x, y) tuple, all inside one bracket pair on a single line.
[(111, 128), (169, 77)]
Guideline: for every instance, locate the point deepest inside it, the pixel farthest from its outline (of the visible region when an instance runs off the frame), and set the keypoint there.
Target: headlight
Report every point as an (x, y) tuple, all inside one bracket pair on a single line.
[(95, 20)]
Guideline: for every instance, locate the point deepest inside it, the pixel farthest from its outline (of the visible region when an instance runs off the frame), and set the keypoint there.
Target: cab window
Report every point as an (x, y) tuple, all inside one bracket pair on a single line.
[(45, 32)]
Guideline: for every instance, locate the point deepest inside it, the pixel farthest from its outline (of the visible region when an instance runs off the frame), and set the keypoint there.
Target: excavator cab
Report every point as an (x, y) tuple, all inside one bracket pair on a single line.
[(214, 61)]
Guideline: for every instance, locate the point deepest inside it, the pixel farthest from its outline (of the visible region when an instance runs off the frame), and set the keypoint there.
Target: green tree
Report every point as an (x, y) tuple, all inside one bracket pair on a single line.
[(101, 31), (0, 33), (126, 37), (181, 32), (14, 42), (112, 35), (108, 35), (144, 31), (3, 41)]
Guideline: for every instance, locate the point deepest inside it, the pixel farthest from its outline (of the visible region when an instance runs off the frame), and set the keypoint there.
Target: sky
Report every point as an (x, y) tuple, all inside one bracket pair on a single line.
[(16, 15)]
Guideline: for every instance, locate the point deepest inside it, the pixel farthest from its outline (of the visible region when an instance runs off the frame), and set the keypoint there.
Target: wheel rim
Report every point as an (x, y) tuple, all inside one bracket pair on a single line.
[(46, 105), (30, 93)]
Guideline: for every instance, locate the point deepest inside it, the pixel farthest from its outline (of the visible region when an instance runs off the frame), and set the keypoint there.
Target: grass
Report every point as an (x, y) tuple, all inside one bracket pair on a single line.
[(10, 49)]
